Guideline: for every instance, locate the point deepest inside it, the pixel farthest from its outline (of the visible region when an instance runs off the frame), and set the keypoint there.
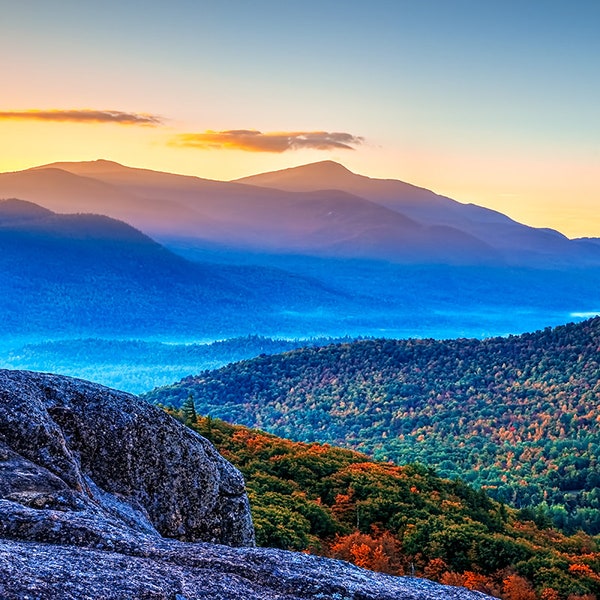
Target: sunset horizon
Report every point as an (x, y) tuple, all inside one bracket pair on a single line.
[(527, 217), (494, 105)]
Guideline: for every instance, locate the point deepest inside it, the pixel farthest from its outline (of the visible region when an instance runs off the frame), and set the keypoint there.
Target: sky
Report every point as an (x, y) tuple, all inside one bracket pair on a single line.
[(486, 101)]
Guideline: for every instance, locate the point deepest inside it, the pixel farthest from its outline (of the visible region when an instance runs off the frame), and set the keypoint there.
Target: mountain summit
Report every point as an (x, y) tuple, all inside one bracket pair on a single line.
[(329, 174), (516, 242), (326, 174)]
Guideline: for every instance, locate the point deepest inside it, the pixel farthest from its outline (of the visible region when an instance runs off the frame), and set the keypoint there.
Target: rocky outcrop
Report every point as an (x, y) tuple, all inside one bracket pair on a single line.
[(70, 445), (155, 569), (105, 497)]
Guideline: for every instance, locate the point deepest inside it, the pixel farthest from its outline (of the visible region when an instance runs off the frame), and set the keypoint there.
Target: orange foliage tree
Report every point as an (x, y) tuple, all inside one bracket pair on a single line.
[(515, 587), (378, 552)]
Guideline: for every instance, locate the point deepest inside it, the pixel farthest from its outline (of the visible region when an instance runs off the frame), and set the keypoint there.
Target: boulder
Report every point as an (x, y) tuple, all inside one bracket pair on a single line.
[(71, 445), (160, 569)]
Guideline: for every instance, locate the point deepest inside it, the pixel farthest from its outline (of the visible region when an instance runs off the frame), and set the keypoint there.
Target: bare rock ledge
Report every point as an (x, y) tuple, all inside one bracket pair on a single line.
[(103, 496)]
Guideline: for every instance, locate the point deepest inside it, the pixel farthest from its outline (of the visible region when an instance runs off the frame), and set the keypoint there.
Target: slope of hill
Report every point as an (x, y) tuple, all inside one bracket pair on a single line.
[(66, 192), (515, 415), (88, 273), (399, 520)]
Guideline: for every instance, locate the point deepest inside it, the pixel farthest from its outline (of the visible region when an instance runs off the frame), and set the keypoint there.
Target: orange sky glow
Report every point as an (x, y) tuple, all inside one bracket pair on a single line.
[(490, 106)]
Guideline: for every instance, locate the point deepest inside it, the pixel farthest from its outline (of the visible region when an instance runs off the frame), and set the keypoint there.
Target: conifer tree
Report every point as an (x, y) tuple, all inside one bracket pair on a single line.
[(188, 410)]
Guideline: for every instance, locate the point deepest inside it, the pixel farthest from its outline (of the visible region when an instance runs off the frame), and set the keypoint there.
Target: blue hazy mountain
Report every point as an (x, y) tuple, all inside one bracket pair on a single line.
[(178, 209), (321, 209), (377, 257), (82, 273)]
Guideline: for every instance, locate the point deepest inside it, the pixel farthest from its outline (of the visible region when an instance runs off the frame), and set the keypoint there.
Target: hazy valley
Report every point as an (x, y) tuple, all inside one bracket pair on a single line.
[(314, 258)]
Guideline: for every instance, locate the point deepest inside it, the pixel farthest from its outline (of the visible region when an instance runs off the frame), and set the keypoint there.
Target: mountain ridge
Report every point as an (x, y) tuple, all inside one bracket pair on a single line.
[(83, 272), (499, 230), (302, 177), (284, 211)]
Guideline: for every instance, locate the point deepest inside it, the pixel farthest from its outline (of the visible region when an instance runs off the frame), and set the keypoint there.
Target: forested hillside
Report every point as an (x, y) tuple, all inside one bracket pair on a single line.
[(400, 520), (517, 416)]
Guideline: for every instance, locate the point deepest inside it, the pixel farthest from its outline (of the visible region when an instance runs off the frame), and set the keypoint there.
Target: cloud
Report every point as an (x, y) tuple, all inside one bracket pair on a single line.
[(278, 141), (83, 116)]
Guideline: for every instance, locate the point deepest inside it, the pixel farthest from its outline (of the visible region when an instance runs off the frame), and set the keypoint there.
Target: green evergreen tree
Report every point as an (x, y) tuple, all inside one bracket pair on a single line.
[(188, 410)]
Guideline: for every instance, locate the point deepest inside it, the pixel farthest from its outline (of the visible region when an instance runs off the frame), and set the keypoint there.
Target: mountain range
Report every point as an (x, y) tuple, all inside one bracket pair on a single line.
[(512, 242), (75, 273), (326, 252), (321, 209)]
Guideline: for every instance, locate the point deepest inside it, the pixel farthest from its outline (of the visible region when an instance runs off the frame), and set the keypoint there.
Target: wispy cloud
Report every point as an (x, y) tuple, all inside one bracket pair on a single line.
[(277, 141), (84, 115)]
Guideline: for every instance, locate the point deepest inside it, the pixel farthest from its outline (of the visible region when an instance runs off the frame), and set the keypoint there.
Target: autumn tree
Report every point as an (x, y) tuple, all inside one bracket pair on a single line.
[(515, 587)]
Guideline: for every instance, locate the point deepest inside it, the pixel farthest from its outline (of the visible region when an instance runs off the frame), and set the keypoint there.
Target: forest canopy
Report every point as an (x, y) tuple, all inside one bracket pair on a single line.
[(401, 520), (516, 416)]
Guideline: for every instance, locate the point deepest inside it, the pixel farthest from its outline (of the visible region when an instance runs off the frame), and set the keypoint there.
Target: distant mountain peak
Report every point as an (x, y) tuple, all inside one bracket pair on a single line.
[(325, 174), (99, 165), (103, 162), (13, 209), (323, 166)]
